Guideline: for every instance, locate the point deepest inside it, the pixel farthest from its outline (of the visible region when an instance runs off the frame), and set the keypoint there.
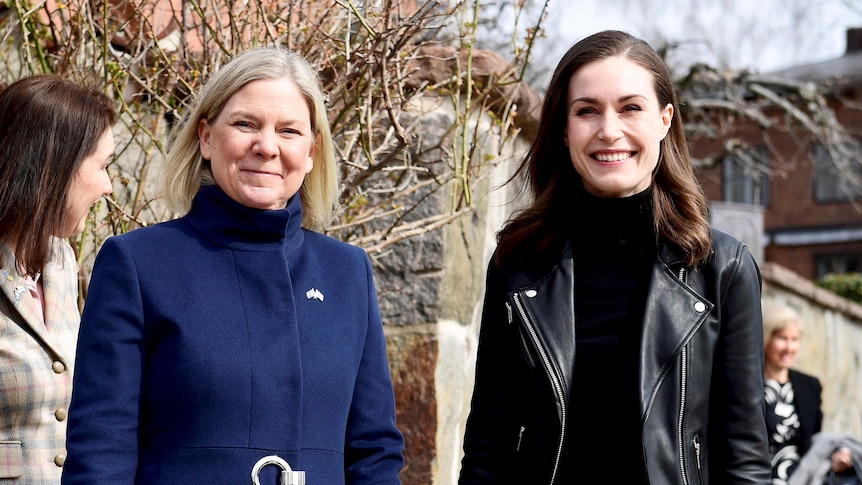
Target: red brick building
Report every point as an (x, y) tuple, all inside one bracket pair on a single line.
[(811, 212)]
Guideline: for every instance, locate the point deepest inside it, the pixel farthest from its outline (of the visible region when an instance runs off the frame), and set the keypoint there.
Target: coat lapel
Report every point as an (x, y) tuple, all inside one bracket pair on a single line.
[(28, 309), (551, 302), (673, 313)]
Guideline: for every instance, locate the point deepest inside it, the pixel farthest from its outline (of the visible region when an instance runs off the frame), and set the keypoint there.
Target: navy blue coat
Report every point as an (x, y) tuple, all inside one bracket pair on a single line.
[(211, 341)]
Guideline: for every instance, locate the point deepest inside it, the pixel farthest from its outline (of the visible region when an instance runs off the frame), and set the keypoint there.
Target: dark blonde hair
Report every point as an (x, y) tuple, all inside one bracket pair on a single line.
[(185, 169), (48, 126), (679, 205)]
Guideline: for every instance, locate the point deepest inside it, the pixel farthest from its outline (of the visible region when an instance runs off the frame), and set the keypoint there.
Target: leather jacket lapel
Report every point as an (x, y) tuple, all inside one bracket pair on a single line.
[(549, 306), (673, 314)]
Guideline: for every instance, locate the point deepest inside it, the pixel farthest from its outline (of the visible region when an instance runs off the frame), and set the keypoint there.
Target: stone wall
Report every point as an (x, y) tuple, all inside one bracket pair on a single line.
[(430, 290)]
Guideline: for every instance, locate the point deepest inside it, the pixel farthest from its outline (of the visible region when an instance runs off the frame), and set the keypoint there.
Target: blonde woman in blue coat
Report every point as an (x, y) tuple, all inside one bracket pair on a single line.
[(237, 331), (55, 144)]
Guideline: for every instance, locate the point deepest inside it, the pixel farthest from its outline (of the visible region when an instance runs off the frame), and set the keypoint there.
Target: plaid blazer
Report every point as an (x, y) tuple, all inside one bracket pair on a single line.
[(36, 358)]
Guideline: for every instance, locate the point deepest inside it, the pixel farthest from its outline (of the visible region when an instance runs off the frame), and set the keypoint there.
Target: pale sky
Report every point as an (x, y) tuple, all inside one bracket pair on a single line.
[(760, 35)]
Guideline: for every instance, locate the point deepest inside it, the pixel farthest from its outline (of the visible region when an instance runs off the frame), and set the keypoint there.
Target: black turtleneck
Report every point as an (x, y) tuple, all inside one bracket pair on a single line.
[(614, 247)]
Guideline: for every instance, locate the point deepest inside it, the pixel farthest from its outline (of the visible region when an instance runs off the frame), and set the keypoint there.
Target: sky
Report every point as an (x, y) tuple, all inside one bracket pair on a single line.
[(758, 35)]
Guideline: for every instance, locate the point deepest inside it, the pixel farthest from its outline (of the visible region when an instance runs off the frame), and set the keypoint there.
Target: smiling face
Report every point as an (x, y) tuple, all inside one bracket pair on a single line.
[(614, 126), (89, 183), (261, 144), (782, 348)]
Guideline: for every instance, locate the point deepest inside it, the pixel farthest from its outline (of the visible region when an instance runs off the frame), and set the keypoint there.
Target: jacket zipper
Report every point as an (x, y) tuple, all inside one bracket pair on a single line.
[(558, 387), (682, 401)]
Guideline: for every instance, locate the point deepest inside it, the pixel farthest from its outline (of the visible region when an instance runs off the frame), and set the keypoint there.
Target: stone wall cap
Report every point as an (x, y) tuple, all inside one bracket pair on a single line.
[(777, 275)]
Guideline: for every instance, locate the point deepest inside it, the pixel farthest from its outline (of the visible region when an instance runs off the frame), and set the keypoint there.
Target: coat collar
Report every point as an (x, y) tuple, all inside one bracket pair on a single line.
[(15, 289), (24, 308), (228, 223), (671, 255)]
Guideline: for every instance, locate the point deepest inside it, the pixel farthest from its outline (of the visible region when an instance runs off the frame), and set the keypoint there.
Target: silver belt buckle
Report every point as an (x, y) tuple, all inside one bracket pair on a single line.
[(287, 476)]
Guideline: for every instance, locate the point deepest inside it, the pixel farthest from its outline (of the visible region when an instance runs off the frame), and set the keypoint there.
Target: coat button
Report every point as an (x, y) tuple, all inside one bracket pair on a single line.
[(699, 307), (60, 459), (58, 367), (60, 414), (530, 293)]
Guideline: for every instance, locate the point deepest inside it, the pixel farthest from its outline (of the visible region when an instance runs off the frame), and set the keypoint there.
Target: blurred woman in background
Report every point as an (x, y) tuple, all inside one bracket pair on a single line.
[(793, 398)]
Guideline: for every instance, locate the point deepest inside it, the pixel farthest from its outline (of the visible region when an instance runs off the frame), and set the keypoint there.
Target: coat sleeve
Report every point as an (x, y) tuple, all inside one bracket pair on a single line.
[(102, 440), (740, 449), (373, 444)]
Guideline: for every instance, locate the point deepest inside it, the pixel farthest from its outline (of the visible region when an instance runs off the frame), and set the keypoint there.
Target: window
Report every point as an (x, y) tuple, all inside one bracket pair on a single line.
[(840, 263), (747, 181), (830, 184)]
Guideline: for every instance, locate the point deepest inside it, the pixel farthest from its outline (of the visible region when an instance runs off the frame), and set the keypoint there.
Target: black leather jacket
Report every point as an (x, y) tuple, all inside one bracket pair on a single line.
[(701, 384)]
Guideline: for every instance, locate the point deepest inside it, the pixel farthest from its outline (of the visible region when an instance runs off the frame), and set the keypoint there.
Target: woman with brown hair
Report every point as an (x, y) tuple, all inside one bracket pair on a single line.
[(55, 144), (620, 339)]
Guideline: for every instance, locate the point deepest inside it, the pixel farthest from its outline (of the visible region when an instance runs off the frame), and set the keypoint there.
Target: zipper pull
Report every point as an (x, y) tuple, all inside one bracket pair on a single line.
[(520, 437), (509, 314), (697, 450)]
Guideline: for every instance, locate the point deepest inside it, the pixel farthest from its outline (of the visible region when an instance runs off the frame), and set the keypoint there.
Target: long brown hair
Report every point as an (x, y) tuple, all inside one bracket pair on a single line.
[(679, 205), (48, 126)]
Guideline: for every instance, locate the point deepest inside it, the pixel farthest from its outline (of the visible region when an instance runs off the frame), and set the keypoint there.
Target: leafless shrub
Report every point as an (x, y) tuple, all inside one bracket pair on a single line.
[(152, 55)]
